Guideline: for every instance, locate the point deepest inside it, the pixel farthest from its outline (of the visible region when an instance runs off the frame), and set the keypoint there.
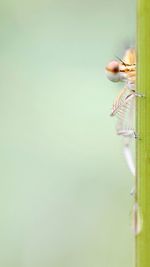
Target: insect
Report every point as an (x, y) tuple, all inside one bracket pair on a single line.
[(124, 70)]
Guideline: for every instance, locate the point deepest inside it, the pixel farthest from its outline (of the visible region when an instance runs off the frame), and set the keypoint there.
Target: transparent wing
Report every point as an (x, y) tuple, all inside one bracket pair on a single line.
[(122, 103), (123, 108), (125, 115), (125, 128)]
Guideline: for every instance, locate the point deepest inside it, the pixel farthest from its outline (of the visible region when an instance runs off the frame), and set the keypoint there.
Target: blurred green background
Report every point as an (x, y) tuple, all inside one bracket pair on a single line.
[(64, 187)]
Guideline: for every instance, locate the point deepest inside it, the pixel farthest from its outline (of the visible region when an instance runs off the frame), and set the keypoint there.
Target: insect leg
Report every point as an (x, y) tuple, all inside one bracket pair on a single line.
[(139, 94)]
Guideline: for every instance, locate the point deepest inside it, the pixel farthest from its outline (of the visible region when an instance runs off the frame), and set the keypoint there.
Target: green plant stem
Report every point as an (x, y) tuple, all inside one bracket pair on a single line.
[(143, 129)]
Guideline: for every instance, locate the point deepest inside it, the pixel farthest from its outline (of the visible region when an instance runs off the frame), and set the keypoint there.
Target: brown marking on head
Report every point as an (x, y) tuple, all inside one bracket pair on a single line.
[(113, 67)]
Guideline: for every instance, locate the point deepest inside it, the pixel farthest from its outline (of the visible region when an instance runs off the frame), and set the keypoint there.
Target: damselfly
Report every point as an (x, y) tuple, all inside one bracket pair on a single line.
[(124, 70)]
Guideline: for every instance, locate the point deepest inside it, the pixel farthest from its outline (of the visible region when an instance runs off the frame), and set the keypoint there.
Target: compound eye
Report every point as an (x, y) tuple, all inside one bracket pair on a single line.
[(113, 66), (112, 71)]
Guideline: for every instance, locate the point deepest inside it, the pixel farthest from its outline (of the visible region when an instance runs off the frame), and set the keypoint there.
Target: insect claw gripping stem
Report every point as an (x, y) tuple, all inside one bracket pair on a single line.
[(127, 133), (139, 94), (136, 136)]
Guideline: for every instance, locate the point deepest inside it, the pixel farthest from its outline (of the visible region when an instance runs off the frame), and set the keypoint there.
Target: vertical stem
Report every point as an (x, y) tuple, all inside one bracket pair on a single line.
[(143, 129)]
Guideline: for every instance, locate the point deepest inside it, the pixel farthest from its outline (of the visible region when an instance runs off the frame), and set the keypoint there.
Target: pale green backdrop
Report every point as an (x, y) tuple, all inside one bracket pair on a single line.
[(65, 187)]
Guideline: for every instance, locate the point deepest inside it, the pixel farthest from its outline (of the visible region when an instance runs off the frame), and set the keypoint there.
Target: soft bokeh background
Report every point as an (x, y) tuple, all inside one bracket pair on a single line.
[(64, 187)]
